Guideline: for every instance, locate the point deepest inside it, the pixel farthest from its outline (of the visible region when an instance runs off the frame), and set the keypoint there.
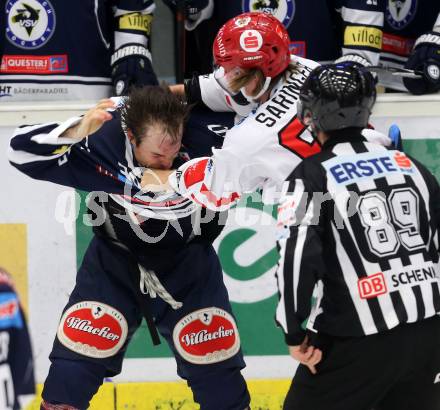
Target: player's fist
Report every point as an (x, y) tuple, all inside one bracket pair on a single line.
[(425, 57), (131, 66), (92, 120)]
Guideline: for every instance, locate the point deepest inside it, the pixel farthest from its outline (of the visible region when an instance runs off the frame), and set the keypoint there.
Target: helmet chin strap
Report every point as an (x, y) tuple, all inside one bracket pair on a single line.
[(254, 98)]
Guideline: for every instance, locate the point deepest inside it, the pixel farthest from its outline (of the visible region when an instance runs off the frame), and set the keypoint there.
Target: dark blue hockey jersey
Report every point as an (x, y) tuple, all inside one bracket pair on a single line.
[(320, 30), (316, 27), (151, 225), (60, 50), (16, 362), (405, 21)]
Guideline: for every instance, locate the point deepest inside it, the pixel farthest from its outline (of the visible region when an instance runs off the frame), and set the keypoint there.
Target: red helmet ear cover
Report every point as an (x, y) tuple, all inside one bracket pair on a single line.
[(253, 40)]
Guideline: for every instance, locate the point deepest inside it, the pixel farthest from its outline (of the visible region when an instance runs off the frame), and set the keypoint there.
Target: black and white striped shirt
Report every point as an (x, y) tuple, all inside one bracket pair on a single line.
[(358, 228)]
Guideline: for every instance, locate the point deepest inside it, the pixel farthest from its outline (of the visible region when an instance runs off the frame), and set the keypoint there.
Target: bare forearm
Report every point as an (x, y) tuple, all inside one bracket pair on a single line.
[(72, 133), (91, 122)]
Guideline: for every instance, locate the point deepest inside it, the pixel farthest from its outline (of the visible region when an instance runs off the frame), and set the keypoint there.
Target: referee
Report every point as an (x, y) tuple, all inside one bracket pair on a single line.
[(358, 228)]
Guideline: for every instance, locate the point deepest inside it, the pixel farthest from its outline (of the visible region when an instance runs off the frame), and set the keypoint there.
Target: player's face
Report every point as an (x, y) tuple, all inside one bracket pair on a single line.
[(157, 149)]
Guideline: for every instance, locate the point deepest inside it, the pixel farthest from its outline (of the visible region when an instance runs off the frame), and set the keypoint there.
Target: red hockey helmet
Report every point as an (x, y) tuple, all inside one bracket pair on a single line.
[(253, 40)]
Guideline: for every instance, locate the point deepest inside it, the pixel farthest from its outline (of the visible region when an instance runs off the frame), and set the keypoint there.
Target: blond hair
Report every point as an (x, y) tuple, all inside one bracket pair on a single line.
[(246, 75)]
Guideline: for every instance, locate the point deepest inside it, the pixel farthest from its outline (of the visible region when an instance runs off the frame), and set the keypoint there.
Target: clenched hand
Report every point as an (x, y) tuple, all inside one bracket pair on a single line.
[(92, 121)]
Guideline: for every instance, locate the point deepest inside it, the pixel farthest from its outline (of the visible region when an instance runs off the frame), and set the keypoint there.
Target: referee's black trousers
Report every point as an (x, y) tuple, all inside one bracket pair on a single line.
[(395, 370)]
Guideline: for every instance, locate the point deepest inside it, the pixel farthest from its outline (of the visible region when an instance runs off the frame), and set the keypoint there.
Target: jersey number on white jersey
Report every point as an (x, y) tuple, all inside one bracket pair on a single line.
[(291, 137)]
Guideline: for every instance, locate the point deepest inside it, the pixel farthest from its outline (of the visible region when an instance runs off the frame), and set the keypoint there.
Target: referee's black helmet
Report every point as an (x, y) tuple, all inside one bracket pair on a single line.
[(337, 96)]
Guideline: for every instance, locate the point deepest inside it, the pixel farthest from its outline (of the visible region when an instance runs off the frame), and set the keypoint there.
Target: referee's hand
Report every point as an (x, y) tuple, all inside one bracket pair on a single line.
[(306, 354)]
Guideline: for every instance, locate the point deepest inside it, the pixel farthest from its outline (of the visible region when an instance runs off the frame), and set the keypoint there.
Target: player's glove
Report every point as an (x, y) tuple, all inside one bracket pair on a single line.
[(131, 66), (425, 57), (195, 10), (357, 61)]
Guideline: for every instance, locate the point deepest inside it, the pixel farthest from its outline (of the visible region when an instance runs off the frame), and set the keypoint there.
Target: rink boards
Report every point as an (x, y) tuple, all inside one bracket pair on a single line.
[(43, 249), (266, 395)]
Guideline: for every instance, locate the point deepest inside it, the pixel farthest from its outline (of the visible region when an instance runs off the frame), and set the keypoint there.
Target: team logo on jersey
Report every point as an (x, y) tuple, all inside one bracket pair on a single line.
[(30, 23), (372, 286), (402, 161), (283, 10), (410, 277), (400, 13), (353, 168), (251, 41), (93, 329), (34, 64), (433, 71), (120, 85), (206, 336)]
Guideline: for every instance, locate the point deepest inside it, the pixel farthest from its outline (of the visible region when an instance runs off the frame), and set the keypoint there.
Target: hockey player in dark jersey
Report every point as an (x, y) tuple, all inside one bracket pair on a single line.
[(157, 239), (362, 223), (319, 30), (17, 384), (412, 40), (69, 50)]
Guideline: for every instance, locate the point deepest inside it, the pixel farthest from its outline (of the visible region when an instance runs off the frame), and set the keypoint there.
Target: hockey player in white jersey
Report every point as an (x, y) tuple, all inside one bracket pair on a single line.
[(252, 54)]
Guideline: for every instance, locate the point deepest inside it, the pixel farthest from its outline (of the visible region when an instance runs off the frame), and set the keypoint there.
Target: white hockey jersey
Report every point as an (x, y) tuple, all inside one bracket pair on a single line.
[(260, 151)]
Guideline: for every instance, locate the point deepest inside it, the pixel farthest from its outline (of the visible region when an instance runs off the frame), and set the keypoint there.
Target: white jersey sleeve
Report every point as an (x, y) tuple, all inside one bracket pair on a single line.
[(260, 151), (214, 97)]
